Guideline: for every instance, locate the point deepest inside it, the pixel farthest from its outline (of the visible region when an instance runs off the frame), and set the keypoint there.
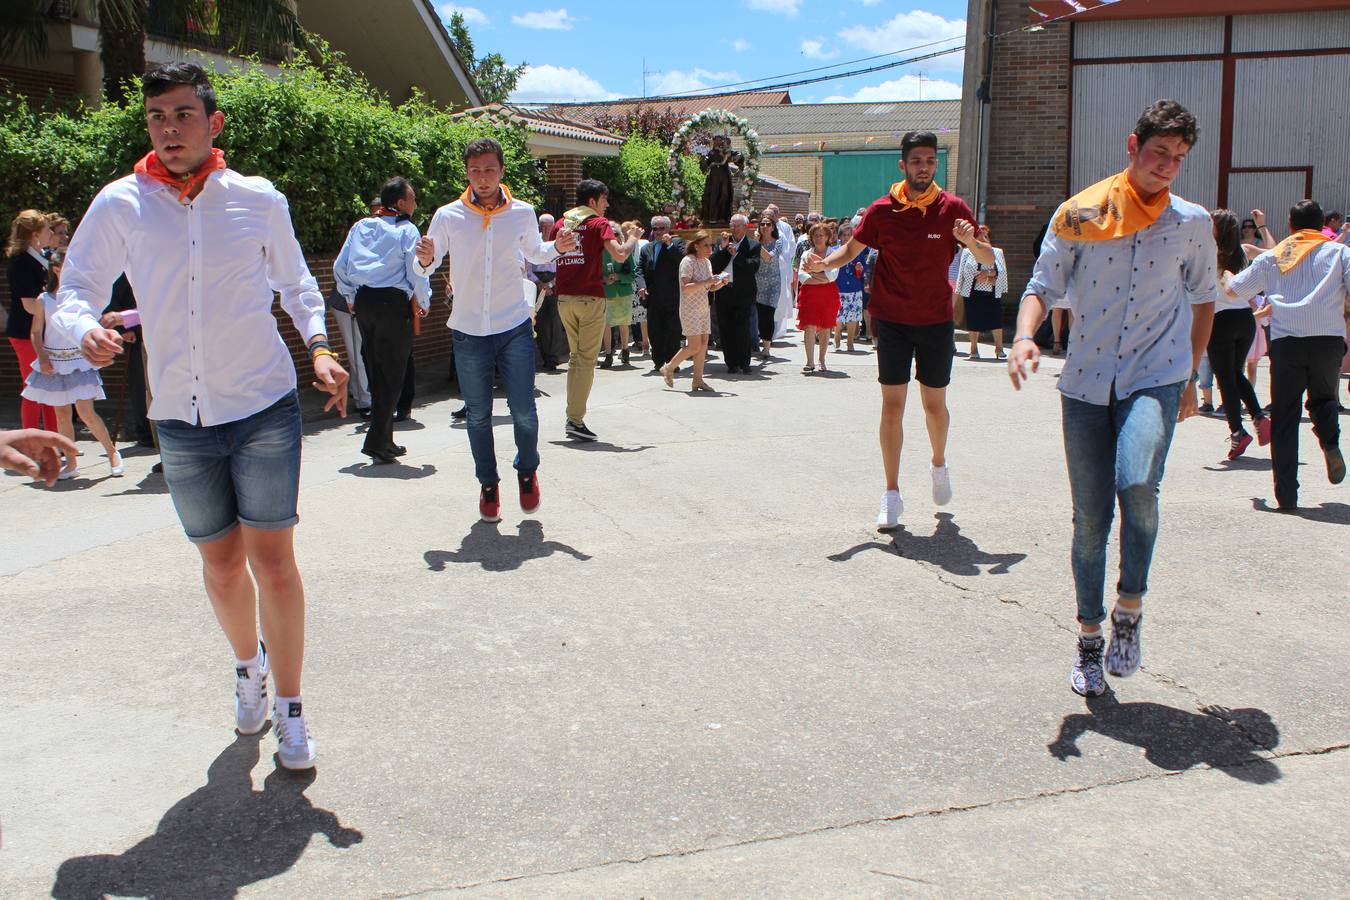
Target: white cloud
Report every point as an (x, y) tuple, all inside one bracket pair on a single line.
[(910, 29), (740, 45), (676, 81), (782, 7), (558, 84), (472, 14), (548, 20), (816, 50), (906, 87)]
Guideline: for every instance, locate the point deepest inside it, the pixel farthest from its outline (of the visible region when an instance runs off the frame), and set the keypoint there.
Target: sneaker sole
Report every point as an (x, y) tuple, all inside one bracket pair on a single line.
[(887, 529), (581, 437), (1074, 688), (531, 509), (297, 765), (490, 519)]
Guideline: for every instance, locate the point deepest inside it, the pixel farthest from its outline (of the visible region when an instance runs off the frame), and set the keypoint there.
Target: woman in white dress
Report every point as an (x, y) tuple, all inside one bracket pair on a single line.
[(696, 281), (61, 378)]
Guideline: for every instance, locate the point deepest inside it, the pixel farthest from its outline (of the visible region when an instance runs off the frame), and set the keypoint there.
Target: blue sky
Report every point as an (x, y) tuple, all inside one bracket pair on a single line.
[(596, 50)]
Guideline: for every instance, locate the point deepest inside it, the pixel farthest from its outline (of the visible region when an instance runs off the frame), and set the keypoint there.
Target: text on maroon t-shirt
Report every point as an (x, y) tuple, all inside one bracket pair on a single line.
[(915, 251), (581, 272)]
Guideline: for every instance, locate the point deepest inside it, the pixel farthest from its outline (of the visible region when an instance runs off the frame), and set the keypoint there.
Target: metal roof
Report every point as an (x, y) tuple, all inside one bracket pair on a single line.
[(785, 187), (543, 122), (854, 118), (684, 106)]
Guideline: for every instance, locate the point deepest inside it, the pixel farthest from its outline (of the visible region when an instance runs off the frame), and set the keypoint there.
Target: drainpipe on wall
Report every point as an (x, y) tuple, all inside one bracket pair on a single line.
[(970, 182)]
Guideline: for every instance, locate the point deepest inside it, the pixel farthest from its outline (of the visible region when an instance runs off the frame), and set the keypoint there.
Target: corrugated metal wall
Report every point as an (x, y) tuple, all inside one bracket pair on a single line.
[(1181, 37), (1107, 100), (1291, 31)]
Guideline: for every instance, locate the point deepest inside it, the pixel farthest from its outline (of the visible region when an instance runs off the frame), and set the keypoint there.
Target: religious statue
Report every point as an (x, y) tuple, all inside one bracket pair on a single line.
[(720, 164)]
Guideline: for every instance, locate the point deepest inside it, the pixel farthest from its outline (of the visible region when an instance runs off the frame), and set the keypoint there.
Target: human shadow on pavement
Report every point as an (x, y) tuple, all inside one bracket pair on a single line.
[(400, 471), (1177, 739), (215, 841), (600, 446), (1241, 464), (152, 483), (1331, 513), (486, 546), (946, 547)]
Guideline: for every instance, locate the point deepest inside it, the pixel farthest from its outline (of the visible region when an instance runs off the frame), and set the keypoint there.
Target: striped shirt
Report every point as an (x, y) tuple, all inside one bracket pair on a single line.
[(1309, 300), (1131, 298)]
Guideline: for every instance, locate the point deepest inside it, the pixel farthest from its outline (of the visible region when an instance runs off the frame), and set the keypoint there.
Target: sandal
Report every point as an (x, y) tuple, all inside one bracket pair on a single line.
[(704, 388), (668, 375), (808, 368)]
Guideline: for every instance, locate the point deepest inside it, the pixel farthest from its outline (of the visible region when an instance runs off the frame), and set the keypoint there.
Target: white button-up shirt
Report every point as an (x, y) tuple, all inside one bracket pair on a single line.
[(204, 274), (487, 264)]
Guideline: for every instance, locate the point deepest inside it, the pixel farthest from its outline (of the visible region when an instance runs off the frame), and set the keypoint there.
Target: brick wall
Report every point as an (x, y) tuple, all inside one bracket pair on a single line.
[(1028, 136), (789, 203), (434, 343), (37, 84), (560, 188), (803, 171)]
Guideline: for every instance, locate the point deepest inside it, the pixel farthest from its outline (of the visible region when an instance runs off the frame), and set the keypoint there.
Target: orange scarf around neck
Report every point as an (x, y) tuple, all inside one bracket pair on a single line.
[(1110, 209), (189, 184), (1292, 250), (921, 202), (467, 199)]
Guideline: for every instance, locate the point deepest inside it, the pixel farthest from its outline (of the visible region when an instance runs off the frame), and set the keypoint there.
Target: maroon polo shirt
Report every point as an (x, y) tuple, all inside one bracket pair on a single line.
[(581, 272), (915, 250)]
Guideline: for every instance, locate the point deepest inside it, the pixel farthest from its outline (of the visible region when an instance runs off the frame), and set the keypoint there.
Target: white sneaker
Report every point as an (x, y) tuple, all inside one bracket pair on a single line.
[(250, 695), (942, 485), (295, 745), (892, 506)]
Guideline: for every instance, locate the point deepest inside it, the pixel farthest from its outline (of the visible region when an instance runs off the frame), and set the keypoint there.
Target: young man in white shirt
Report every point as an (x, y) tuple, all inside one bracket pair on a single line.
[(204, 248), (486, 233)]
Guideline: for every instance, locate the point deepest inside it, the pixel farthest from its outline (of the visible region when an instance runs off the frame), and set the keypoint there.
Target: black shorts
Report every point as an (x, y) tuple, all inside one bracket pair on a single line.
[(931, 348)]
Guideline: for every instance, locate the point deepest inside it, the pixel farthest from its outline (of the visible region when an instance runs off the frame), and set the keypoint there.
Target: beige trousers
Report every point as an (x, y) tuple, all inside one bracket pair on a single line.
[(583, 319)]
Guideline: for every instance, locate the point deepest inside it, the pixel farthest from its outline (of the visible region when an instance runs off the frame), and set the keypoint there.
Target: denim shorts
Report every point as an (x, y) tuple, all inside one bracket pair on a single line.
[(246, 471)]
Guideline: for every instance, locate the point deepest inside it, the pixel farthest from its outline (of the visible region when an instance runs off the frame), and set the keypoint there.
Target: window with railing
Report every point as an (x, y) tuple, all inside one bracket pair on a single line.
[(165, 20)]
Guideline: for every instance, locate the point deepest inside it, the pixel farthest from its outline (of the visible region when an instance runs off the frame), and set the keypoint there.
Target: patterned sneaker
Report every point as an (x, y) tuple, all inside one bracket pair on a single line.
[(489, 503), (1086, 678), (250, 695), (942, 485), (1238, 444), (1123, 655), (892, 507), (295, 745)]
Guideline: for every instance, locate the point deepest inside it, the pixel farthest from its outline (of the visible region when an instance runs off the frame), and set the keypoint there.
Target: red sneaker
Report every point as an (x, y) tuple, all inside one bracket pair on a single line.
[(1238, 444), (488, 504), (529, 492), (1263, 431)]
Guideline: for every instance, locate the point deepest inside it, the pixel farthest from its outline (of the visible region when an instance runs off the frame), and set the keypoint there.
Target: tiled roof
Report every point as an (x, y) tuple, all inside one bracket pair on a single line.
[(854, 118), (543, 122), (685, 106)]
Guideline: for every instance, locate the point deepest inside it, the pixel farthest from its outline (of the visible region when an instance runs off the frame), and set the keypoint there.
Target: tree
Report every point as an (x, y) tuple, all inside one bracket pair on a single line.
[(240, 26), (496, 80)]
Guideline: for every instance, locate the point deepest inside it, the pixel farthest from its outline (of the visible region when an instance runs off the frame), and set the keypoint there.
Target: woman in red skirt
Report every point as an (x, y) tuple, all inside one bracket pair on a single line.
[(817, 300)]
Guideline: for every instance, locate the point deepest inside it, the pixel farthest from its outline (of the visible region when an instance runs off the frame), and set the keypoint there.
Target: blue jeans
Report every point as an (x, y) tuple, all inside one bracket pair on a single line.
[(247, 471), (477, 360), (1116, 453)]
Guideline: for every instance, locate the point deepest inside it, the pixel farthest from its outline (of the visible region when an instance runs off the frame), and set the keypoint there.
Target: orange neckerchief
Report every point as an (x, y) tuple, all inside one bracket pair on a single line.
[(1291, 251), (467, 199), (151, 167), (1110, 209), (921, 202)]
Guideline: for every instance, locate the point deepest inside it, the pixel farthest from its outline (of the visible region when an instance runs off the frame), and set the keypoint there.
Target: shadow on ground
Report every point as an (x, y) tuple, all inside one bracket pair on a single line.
[(216, 840), (599, 446), (1177, 740), (1328, 513), (486, 546), (399, 471), (946, 547)]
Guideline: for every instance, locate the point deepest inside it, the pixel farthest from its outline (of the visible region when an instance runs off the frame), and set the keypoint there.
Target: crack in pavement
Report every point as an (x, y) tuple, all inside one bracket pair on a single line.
[(1049, 794)]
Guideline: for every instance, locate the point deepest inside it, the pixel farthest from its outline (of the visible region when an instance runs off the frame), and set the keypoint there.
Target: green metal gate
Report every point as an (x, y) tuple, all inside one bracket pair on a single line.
[(853, 180)]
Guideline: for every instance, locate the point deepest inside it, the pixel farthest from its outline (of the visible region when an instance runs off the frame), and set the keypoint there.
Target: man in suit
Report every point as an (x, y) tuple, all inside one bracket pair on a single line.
[(736, 302), (658, 289)]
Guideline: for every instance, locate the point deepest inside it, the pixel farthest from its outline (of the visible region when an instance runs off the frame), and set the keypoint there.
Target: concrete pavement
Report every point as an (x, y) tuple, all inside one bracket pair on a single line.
[(697, 671)]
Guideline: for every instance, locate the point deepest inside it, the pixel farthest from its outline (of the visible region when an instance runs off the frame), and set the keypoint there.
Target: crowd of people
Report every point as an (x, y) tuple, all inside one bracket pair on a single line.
[(1153, 284)]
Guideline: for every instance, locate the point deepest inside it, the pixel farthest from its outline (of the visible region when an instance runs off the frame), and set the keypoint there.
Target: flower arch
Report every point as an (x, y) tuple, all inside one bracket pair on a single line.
[(743, 184)]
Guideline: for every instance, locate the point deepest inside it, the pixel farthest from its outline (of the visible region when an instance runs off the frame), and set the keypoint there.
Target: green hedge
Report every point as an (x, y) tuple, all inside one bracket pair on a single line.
[(319, 132), (639, 183)]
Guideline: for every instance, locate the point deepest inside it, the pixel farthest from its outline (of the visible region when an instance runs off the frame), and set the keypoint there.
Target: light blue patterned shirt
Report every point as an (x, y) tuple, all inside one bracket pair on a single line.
[(378, 253), (1131, 299), (1309, 300)]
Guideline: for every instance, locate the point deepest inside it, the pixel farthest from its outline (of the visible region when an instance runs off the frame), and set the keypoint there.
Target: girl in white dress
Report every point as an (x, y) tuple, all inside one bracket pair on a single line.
[(62, 378)]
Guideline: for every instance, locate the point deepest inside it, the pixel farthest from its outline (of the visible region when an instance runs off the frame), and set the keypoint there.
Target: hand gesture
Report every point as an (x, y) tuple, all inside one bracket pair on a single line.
[(1190, 405), (426, 250), (964, 232), (566, 241), (812, 262), (45, 366), (422, 311), (111, 320), (34, 453), (665, 237), (100, 345), (331, 378), (1023, 362), (1259, 218)]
